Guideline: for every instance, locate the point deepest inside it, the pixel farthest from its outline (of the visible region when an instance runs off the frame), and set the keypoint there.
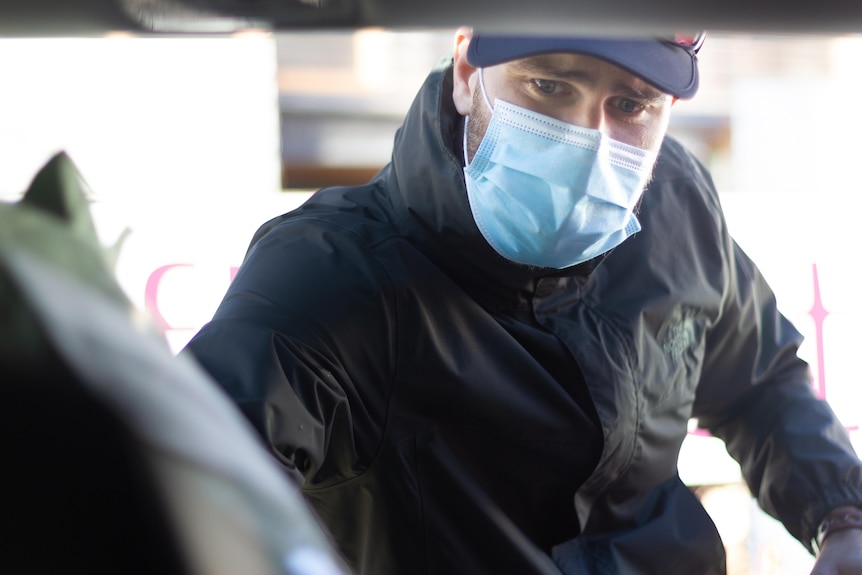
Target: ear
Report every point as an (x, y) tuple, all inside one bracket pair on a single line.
[(463, 72)]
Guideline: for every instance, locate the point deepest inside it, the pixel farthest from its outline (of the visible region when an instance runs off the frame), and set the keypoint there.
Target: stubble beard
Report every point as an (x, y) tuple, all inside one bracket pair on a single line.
[(479, 118)]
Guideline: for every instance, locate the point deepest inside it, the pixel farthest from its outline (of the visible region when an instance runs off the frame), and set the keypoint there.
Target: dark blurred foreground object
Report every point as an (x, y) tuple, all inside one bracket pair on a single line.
[(118, 457), (40, 18)]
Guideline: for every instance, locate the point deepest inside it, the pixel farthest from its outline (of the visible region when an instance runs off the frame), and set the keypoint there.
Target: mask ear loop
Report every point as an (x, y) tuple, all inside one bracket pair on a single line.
[(467, 118), (482, 88), (464, 141)]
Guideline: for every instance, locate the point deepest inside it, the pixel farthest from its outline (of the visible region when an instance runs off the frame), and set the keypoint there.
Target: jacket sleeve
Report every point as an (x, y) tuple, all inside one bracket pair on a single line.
[(304, 320), (756, 394)]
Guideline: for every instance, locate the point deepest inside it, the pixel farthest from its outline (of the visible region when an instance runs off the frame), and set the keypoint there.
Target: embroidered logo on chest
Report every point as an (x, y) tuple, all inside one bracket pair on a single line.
[(678, 338)]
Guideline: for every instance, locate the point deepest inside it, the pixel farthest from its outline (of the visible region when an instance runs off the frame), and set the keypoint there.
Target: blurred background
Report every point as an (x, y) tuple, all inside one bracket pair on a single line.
[(190, 144)]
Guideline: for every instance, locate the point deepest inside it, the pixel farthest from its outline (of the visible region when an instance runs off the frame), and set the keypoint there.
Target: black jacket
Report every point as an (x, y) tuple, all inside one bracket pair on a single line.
[(446, 411)]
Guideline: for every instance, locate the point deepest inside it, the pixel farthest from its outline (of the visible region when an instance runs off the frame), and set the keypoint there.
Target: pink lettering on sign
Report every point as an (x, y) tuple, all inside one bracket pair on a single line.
[(151, 295), (818, 313), (189, 279)]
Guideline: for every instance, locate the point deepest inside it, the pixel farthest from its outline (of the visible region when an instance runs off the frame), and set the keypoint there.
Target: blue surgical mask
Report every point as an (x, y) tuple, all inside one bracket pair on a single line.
[(551, 194)]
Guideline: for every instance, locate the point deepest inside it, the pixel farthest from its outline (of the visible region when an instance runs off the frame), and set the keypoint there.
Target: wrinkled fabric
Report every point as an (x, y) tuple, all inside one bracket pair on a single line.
[(448, 411)]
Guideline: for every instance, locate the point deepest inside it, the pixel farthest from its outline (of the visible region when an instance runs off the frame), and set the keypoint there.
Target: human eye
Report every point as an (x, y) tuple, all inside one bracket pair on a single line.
[(630, 106), (547, 87)]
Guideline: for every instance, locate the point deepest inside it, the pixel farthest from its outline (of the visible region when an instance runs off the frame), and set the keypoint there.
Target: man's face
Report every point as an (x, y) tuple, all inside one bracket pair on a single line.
[(576, 89)]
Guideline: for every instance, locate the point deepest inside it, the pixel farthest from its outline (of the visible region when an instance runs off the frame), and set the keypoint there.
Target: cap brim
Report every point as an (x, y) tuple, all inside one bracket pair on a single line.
[(669, 68)]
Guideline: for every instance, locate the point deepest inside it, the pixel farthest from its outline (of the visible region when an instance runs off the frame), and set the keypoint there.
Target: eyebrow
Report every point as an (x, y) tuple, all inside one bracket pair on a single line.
[(542, 68)]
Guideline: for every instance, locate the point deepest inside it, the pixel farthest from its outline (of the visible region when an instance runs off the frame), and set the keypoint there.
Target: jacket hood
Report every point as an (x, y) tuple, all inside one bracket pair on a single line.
[(427, 186)]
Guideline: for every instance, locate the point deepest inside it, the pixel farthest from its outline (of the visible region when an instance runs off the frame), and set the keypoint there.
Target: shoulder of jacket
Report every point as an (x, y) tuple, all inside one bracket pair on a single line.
[(320, 261), (357, 214), (677, 162)]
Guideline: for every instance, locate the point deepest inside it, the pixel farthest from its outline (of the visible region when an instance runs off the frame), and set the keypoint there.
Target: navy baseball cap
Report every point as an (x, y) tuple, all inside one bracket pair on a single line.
[(668, 64)]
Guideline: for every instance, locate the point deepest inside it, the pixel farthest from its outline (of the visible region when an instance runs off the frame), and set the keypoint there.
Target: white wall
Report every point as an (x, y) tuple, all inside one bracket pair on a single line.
[(178, 139)]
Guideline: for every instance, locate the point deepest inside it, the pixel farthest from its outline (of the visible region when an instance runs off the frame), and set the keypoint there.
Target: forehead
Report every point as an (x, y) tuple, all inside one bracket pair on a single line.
[(580, 68)]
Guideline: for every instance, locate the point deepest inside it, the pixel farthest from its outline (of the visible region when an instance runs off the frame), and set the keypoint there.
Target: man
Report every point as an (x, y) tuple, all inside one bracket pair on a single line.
[(485, 360)]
